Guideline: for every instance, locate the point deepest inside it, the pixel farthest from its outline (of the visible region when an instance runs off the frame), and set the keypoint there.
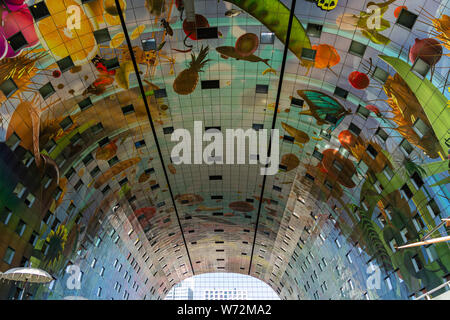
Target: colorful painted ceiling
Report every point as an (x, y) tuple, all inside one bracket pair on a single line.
[(91, 92)]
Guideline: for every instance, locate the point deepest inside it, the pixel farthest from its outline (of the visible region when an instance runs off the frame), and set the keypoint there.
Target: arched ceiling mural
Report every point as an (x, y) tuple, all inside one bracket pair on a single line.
[(90, 96)]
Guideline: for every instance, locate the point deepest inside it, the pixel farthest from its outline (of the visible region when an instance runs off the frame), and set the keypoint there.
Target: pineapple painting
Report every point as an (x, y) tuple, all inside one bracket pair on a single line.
[(186, 82)]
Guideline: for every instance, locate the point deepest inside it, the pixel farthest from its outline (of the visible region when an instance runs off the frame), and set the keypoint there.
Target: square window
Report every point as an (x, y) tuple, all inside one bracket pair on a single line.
[(9, 255), (5, 216), (168, 130), (207, 33), (103, 142), (149, 44), (416, 179), (372, 151), (8, 87), (76, 138), (420, 128), (309, 54), (96, 129), (257, 126), (388, 172), (363, 167), (406, 147), (357, 48), (161, 93), (314, 30), (297, 102), (95, 171), (13, 141), (380, 75), (262, 88), (106, 189), (341, 92), (20, 229), (29, 200), (318, 155), (57, 193), (39, 11), (112, 64), (382, 134), (102, 35), (65, 64), (337, 165), (128, 109), (417, 264), (139, 144), (34, 238), (84, 104), (433, 208), (88, 159), (420, 68), (406, 19), (47, 90), (50, 146), (19, 190), (66, 123), (113, 161), (17, 41), (210, 84), (418, 223), (363, 111), (48, 217), (354, 129), (267, 38), (406, 191)]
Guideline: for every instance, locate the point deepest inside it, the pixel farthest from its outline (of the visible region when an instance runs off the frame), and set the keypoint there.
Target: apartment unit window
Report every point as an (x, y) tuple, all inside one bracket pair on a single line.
[(406, 19), (349, 258), (13, 141), (98, 240), (102, 271), (338, 243), (57, 193), (381, 220), (20, 229), (80, 276), (350, 284), (5, 216), (418, 223), (9, 255), (93, 263), (29, 200), (19, 190), (387, 171), (406, 147), (99, 292), (433, 208), (378, 187), (28, 159), (382, 134), (357, 48), (55, 224), (393, 245), (403, 233), (338, 271), (417, 264), (431, 253), (34, 238), (372, 151), (116, 262)]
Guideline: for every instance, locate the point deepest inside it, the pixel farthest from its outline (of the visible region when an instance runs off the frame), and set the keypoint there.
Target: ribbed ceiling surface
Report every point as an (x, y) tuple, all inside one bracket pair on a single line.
[(346, 153)]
